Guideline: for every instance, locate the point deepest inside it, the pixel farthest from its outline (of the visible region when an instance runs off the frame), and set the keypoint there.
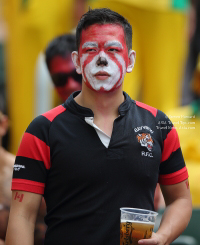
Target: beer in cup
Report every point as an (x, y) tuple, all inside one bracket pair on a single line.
[(136, 224)]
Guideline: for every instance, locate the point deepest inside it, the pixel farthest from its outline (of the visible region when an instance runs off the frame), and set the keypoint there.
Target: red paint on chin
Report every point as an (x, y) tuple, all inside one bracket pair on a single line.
[(102, 90)]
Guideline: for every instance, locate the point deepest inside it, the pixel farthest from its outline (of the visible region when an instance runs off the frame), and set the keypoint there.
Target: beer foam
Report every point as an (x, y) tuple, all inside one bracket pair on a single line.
[(137, 221)]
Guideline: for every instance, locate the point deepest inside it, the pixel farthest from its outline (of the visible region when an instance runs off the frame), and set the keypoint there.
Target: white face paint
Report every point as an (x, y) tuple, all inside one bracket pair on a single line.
[(103, 58), (113, 71)]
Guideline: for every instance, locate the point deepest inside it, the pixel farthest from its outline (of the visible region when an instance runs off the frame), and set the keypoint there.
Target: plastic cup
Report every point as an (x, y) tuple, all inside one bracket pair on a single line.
[(136, 224)]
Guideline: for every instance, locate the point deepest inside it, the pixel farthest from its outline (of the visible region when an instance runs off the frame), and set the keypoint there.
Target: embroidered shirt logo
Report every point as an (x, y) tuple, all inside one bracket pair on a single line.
[(145, 140), (17, 167)]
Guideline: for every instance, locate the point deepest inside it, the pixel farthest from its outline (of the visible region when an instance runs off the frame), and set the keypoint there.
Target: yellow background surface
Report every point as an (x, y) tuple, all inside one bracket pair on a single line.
[(30, 28)]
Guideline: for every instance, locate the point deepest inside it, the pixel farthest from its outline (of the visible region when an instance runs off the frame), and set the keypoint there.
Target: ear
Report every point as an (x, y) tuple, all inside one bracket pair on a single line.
[(131, 57), (76, 62)]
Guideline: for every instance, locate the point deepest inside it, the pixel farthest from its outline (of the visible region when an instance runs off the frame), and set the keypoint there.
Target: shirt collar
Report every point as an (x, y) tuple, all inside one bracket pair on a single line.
[(83, 112)]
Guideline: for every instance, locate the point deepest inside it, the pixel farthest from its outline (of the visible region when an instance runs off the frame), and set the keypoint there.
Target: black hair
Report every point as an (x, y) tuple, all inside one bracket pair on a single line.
[(60, 46), (103, 16)]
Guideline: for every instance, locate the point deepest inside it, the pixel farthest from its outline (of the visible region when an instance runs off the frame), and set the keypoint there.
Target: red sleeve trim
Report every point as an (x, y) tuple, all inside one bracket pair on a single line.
[(171, 144), (147, 107), (28, 185), (34, 148), (50, 115), (173, 178)]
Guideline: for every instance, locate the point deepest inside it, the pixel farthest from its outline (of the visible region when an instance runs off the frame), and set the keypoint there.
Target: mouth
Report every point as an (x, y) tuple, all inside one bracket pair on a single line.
[(102, 75)]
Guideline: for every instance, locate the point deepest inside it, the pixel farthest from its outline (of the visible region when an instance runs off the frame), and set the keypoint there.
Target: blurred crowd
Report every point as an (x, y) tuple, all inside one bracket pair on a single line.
[(36, 73)]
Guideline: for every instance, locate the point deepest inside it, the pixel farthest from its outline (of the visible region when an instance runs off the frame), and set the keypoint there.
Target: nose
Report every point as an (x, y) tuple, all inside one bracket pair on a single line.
[(102, 61)]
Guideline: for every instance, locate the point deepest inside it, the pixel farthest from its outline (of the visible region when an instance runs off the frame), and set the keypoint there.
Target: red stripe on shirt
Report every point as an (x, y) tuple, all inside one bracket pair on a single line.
[(28, 185), (171, 144), (173, 178), (34, 148), (50, 115), (147, 107)]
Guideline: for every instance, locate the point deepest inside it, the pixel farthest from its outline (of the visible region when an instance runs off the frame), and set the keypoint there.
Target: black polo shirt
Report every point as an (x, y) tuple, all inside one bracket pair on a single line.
[(83, 182)]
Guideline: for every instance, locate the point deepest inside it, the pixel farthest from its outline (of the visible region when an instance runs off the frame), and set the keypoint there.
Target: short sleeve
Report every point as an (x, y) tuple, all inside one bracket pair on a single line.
[(33, 158), (172, 166)]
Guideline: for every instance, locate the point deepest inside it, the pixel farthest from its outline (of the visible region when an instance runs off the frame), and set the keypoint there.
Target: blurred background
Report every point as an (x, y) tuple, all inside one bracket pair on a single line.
[(166, 38)]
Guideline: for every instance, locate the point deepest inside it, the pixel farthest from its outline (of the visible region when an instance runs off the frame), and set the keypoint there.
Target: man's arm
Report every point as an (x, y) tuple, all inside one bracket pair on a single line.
[(176, 216), (23, 213)]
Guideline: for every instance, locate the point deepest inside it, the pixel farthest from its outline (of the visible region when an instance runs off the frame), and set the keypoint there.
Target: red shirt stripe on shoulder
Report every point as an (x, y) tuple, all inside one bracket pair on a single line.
[(171, 144), (28, 185), (147, 107), (50, 115), (173, 178), (38, 150)]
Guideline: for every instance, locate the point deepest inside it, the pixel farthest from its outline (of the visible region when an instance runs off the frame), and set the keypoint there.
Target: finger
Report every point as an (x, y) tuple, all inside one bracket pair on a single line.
[(150, 241)]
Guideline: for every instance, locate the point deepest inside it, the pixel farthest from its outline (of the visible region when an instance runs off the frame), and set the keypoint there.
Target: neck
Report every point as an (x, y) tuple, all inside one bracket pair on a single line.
[(100, 103)]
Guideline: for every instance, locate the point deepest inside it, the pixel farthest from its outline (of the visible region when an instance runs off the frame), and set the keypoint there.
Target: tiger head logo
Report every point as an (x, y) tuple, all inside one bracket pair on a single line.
[(145, 140)]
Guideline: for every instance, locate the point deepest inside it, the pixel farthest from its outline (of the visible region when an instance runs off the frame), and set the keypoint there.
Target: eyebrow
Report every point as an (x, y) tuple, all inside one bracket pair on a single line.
[(89, 44), (113, 43)]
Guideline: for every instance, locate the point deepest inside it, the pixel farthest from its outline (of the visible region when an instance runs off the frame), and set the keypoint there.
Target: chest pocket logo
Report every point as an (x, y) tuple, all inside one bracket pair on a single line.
[(145, 140)]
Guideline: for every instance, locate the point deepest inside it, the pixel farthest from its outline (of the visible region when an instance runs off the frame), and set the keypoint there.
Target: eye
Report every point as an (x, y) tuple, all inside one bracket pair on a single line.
[(113, 50), (91, 50)]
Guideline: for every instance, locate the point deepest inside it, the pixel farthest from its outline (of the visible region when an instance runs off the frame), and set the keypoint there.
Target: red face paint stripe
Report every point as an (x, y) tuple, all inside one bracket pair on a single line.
[(89, 59), (147, 107), (50, 115), (28, 185), (86, 81), (38, 150), (171, 144), (120, 68), (173, 178)]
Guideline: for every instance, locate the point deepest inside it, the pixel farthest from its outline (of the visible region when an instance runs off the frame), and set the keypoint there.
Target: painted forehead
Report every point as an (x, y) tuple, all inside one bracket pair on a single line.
[(61, 64), (106, 33)]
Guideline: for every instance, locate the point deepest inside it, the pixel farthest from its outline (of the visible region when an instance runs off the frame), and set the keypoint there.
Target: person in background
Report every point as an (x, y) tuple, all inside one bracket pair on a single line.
[(55, 61), (61, 67), (6, 169), (189, 92), (186, 119), (123, 151)]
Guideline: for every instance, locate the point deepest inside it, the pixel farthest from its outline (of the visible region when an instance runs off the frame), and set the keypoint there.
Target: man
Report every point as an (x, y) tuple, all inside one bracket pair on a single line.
[(99, 151), (61, 67), (58, 60), (188, 89), (6, 169)]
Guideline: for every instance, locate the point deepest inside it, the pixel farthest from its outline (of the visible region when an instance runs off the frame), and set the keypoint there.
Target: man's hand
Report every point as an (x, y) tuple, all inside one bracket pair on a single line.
[(156, 239)]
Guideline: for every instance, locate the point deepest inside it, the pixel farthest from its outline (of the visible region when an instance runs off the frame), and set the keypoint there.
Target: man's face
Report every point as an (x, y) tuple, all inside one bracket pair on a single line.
[(103, 57), (64, 76)]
